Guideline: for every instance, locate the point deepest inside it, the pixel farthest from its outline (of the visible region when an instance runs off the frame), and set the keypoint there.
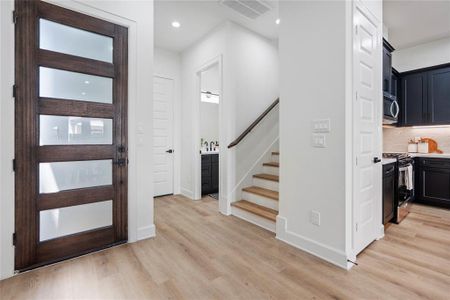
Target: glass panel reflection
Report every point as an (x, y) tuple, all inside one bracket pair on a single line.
[(62, 130), (59, 176), (69, 40), (54, 83), (69, 220)]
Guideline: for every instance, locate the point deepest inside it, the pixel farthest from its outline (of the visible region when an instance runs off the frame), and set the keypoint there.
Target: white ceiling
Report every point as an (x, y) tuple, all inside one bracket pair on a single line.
[(415, 22), (197, 18)]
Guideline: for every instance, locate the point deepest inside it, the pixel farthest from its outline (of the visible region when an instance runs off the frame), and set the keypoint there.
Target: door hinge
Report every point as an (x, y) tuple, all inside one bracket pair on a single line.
[(14, 17), (356, 226), (356, 96), (14, 239), (14, 165), (356, 161), (14, 91), (356, 29)]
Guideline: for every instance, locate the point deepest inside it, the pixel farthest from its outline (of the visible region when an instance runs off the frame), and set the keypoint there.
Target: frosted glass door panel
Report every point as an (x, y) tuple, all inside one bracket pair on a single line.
[(61, 130), (69, 40), (54, 83), (74, 219), (59, 176)]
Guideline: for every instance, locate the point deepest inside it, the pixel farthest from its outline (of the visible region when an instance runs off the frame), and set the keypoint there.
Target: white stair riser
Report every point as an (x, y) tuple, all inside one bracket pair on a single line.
[(271, 170), (252, 218), (266, 184), (260, 200), (276, 158)]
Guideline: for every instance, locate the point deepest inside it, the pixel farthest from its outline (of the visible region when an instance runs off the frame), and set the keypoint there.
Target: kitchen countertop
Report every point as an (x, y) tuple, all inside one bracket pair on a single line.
[(386, 161), (209, 152), (434, 155)]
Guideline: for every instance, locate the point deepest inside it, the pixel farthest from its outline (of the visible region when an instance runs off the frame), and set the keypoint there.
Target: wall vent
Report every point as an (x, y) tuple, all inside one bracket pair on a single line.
[(250, 8)]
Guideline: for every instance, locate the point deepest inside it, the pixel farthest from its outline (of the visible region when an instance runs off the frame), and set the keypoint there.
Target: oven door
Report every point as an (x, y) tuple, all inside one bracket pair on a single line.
[(391, 110)]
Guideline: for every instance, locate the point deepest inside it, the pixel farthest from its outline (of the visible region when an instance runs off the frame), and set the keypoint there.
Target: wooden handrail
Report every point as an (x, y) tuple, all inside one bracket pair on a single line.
[(253, 125)]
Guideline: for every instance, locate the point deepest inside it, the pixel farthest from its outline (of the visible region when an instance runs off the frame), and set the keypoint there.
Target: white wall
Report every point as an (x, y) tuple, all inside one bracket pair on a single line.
[(167, 64), (137, 16), (313, 86), (209, 122), (422, 56), (6, 140), (250, 85)]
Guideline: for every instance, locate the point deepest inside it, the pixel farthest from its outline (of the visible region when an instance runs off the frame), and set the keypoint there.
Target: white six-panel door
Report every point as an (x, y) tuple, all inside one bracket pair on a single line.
[(367, 128), (163, 135)]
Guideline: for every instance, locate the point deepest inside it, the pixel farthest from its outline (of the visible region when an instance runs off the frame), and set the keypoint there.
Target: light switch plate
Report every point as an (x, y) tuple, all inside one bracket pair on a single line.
[(319, 141), (314, 217), (321, 125)]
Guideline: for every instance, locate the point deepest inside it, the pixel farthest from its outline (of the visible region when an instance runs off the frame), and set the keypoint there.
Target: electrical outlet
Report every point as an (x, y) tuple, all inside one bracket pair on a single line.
[(314, 218)]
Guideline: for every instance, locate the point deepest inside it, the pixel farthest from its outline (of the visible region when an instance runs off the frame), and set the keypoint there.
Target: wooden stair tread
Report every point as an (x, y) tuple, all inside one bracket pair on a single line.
[(256, 209), (267, 177), (272, 164), (276, 153), (262, 192)]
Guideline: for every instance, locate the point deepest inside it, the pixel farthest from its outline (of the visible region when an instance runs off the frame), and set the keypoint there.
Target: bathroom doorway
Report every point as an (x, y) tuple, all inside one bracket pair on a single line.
[(209, 130)]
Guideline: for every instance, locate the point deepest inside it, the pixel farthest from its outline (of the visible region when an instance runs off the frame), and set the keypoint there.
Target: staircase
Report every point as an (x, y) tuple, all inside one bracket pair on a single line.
[(259, 204)]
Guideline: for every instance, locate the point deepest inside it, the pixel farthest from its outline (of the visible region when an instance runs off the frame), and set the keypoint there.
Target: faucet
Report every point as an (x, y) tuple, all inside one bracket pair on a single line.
[(206, 145), (211, 144)]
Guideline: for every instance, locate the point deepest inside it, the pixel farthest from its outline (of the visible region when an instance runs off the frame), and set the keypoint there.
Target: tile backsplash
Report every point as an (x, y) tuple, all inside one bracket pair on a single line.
[(396, 139)]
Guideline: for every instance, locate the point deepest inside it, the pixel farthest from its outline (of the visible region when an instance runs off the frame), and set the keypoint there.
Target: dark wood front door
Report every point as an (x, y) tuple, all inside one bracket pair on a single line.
[(71, 134)]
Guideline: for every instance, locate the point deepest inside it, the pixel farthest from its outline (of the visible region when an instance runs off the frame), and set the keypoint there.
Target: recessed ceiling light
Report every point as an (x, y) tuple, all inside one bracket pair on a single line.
[(86, 82), (176, 24), (277, 21)]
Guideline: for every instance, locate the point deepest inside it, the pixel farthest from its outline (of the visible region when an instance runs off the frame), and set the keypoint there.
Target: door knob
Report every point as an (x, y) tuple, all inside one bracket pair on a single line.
[(170, 151), (376, 160)]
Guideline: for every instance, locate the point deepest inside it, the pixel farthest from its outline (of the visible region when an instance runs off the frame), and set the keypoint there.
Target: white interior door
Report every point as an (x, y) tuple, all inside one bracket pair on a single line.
[(367, 129), (163, 156)]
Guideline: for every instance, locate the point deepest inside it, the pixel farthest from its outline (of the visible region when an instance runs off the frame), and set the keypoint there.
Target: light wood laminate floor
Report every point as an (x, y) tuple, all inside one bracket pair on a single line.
[(201, 254)]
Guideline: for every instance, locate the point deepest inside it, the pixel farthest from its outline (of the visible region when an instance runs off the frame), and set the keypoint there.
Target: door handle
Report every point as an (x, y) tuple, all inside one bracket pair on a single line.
[(376, 160), (170, 151)]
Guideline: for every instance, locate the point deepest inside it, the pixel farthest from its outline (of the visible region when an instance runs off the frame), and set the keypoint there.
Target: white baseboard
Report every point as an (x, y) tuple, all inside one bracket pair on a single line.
[(332, 255), (146, 232), (187, 193)]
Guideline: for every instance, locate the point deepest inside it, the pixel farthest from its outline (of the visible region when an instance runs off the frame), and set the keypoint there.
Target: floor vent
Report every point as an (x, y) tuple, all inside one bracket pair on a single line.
[(250, 8)]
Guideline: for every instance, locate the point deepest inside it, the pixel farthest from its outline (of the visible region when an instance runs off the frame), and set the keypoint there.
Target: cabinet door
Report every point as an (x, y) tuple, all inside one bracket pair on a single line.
[(414, 96), (387, 71), (439, 96), (389, 187), (435, 186)]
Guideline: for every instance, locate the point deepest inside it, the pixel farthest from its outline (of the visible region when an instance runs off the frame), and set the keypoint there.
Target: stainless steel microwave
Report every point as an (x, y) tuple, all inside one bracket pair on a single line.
[(391, 109)]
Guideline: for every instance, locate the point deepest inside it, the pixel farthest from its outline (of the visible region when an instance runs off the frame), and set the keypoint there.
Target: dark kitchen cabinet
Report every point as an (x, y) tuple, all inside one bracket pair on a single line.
[(389, 191), (413, 103), (387, 68), (433, 181), (210, 173), (439, 96), (425, 96)]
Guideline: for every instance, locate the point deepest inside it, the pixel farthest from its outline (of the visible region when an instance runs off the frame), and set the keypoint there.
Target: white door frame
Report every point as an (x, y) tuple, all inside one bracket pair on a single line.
[(176, 134), (379, 232), (196, 136)]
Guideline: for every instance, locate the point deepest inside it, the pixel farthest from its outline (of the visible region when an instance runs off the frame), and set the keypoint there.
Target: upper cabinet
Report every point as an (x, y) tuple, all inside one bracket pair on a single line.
[(439, 96), (425, 96), (387, 69), (413, 99)]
